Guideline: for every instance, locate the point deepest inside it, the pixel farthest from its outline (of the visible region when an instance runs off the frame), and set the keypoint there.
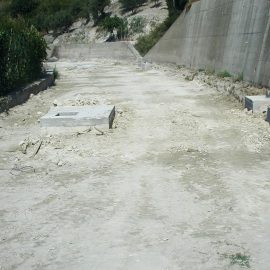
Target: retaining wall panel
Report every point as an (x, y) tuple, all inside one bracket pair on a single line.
[(221, 34)]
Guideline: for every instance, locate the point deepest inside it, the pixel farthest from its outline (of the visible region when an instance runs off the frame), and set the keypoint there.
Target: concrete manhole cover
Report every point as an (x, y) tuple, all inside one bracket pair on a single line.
[(72, 116)]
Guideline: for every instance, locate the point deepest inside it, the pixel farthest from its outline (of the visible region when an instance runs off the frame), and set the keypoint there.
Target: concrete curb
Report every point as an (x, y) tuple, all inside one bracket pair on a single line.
[(22, 95)]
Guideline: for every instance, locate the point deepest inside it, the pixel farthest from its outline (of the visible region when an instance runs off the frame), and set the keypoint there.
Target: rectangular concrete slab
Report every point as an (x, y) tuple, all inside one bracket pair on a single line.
[(257, 104), (72, 116)]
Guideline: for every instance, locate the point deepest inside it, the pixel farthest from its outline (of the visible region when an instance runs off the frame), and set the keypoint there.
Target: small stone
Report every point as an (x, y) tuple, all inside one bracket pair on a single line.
[(60, 163), (21, 143), (53, 59), (34, 141)]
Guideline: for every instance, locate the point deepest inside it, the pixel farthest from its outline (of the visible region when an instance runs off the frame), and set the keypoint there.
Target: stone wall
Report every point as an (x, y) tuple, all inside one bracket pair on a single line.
[(219, 35)]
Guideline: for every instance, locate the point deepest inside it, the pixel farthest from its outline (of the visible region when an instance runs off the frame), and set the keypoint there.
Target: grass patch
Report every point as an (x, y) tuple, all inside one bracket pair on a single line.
[(224, 74), (240, 259)]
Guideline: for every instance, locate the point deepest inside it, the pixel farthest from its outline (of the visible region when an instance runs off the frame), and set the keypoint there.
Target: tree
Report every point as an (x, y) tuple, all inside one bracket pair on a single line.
[(96, 8), (174, 6), (131, 5), (22, 7)]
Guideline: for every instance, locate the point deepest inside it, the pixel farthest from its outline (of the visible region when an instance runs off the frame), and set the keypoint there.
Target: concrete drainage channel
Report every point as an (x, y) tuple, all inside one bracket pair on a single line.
[(169, 173)]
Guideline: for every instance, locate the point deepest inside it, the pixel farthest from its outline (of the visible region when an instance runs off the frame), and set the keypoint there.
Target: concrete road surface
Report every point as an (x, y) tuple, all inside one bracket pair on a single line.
[(182, 181)]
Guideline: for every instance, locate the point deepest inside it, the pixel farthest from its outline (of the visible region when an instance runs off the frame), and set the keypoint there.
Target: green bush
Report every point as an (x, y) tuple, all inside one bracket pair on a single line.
[(60, 19), (116, 24), (52, 15), (22, 51)]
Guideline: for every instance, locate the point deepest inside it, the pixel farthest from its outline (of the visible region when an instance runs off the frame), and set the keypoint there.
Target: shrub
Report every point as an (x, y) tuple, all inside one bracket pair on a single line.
[(116, 24), (56, 74), (59, 19), (22, 51), (53, 14)]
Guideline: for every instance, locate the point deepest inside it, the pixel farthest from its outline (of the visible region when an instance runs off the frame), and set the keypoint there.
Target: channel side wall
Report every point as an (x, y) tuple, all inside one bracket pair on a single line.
[(218, 35), (113, 50), (21, 95)]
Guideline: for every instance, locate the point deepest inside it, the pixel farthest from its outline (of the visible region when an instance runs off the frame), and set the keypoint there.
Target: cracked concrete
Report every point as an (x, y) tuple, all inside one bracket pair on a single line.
[(180, 182)]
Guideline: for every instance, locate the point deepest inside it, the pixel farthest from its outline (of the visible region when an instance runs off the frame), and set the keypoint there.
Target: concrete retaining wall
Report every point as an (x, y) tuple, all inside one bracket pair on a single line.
[(20, 96), (232, 35), (114, 50)]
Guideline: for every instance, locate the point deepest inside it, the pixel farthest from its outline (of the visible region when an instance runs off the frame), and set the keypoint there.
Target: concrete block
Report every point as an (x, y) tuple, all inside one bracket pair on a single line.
[(268, 115), (257, 103), (72, 116)]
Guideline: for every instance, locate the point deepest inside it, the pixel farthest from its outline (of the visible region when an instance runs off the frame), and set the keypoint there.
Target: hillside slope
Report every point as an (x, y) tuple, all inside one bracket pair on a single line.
[(82, 32)]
